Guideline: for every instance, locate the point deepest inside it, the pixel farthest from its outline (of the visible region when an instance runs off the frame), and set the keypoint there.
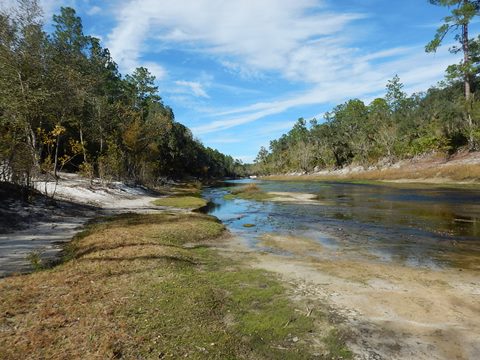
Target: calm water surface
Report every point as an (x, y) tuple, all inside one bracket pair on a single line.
[(418, 225)]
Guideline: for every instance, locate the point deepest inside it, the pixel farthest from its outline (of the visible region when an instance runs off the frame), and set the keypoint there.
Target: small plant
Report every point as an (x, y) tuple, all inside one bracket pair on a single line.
[(35, 259), (248, 192), (249, 188)]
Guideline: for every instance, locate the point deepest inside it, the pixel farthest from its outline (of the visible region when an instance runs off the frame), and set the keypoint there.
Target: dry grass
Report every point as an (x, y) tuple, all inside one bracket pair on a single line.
[(181, 189), (149, 287), (249, 188), (468, 173), (248, 192), (181, 202), (79, 309)]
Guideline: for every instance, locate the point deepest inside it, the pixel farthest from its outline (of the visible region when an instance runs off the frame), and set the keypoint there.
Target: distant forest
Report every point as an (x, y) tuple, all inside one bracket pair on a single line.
[(65, 106), (388, 129), (445, 118)]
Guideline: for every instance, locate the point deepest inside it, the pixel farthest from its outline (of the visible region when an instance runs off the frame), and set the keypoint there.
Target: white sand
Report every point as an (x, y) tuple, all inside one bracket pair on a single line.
[(49, 227)]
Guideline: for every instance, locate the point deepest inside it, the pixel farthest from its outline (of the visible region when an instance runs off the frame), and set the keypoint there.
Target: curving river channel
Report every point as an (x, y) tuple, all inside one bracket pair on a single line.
[(415, 225)]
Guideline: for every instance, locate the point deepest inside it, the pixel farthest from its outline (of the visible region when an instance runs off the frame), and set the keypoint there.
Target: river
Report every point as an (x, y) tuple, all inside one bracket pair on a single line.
[(415, 225)]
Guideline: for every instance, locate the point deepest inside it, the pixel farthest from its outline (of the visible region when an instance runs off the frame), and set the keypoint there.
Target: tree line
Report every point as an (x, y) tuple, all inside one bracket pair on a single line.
[(65, 106), (445, 118)]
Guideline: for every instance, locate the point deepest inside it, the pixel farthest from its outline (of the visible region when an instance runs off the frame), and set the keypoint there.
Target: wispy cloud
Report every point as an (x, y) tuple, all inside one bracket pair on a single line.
[(301, 41), (415, 69), (226, 140), (94, 10), (253, 35), (194, 87)]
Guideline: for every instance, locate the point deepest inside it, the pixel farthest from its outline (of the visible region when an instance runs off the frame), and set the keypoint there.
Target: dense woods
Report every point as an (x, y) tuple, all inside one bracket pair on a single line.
[(65, 106), (445, 118)]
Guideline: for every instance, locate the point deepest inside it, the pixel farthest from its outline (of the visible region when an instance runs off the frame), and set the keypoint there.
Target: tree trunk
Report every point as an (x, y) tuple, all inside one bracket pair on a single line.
[(83, 144), (466, 59), (55, 163)]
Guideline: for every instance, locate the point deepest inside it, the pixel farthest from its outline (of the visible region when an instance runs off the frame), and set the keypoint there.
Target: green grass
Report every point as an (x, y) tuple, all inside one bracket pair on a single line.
[(150, 286), (181, 202), (248, 192), (335, 344)]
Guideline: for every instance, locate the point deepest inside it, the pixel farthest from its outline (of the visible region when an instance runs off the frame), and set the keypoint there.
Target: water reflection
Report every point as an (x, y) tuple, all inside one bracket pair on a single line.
[(415, 225)]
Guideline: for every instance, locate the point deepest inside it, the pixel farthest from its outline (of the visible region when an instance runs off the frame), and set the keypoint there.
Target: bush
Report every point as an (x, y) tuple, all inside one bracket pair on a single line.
[(429, 143)]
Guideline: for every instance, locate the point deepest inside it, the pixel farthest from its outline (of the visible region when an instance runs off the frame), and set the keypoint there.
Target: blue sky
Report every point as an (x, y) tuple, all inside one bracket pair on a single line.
[(240, 72)]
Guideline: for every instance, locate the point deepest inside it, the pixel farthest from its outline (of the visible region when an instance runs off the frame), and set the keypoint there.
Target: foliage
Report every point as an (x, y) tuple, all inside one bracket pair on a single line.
[(64, 105), (395, 127), (35, 260)]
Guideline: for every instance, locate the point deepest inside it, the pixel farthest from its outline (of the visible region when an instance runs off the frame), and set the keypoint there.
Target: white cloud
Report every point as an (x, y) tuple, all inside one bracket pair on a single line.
[(7, 4), (258, 35), (415, 69), (194, 87), (94, 10), (300, 40), (226, 140)]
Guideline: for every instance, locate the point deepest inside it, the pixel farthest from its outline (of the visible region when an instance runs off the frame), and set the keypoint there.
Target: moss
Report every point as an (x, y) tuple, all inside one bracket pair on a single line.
[(335, 342), (149, 286), (248, 192), (181, 202)]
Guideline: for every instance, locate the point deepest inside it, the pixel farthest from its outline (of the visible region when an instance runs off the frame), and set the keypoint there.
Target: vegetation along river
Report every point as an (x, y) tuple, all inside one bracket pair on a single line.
[(414, 225)]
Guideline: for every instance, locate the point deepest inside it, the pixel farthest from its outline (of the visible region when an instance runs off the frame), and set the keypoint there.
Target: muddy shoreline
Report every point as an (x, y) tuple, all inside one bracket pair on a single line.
[(390, 311), (395, 266)]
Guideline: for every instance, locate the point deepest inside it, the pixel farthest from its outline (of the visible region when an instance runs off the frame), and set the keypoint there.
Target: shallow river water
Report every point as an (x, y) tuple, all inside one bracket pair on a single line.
[(416, 225)]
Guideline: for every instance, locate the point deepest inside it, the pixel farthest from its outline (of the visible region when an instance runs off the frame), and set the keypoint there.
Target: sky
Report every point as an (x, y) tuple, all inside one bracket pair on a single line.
[(239, 73)]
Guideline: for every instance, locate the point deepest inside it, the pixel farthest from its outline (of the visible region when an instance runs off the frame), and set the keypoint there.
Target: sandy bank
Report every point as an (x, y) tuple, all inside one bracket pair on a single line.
[(41, 228), (462, 168), (392, 311), (292, 197)]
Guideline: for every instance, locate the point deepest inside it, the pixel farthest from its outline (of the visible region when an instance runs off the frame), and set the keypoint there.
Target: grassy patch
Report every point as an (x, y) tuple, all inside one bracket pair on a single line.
[(248, 192), (181, 189), (181, 202), (149, 287), (447, 175), (336, 345)]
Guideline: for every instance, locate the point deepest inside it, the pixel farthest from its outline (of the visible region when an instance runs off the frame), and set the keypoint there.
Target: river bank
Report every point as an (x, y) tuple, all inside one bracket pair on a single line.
[(152, 284), (396, 264), (169, 283), (35, 231), (391, 311), (438, 168)]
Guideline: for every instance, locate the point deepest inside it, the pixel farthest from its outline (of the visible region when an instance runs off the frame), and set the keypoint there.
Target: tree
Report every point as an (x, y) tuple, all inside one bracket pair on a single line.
[(64, 105), (142, 89), (22, 88), (458, 22), (385, 129)]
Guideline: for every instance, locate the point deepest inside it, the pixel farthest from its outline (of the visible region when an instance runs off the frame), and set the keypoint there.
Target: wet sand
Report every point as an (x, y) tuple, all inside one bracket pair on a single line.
[(391, 311)]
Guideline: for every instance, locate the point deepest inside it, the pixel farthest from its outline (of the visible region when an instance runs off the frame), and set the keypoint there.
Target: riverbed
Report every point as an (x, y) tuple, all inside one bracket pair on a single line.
[(398, 264), (416, 225)]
